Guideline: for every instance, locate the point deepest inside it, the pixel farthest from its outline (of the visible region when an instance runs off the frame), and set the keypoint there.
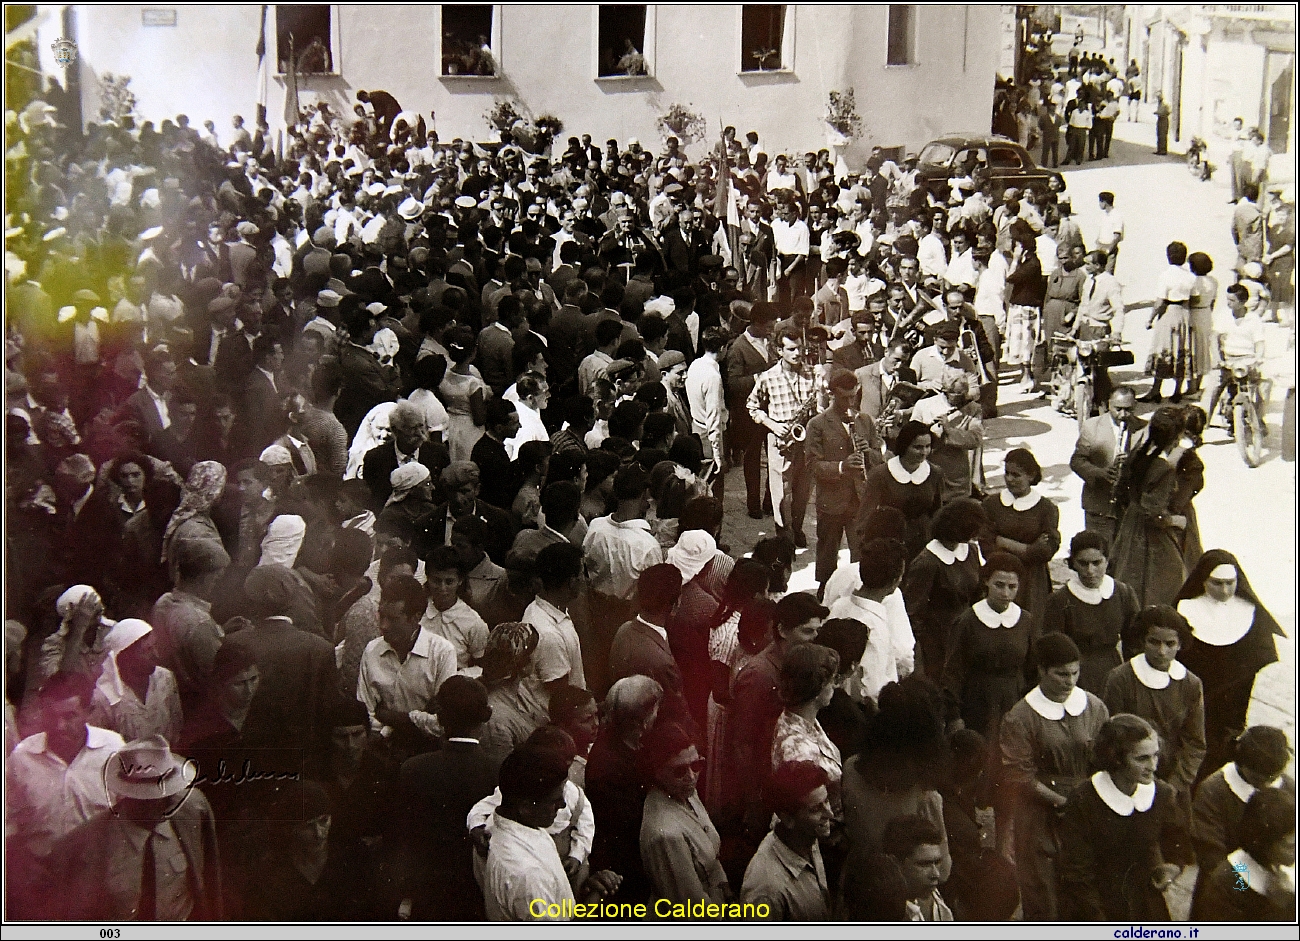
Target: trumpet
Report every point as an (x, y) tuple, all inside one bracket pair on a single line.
[(902, 395), (797, 430)]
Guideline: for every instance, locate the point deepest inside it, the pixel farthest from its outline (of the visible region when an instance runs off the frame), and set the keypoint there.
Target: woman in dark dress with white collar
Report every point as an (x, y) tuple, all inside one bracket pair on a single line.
[(943, 580), (1027, 525), (1092, 609), (908, 482)]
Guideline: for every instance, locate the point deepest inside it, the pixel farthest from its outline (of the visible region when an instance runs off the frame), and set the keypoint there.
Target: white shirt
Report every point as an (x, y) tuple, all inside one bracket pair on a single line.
[(617, 553), (461, 626), (1241, 335), (889, 655), (576, 807), (961, 270), (530, 429), (408, 686), (704, 396), (790, 238), (522, 865), (559, 652), (47, 799), (1111, 231), (932, 256)]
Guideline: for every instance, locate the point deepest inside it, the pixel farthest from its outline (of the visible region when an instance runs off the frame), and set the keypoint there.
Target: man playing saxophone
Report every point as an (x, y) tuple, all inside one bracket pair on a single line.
[(842, 445), (778, 396)]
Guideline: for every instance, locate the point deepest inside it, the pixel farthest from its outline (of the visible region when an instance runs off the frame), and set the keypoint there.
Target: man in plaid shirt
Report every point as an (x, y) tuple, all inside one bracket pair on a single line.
[(776, 399)]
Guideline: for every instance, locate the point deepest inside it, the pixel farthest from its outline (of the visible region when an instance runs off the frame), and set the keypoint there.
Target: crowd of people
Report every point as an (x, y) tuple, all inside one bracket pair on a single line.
[(367, 557)]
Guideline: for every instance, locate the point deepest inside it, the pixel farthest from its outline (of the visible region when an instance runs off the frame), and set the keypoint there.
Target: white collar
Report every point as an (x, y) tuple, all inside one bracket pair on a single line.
[(1239, 785), (1218, 623), (903, 476), (1091, 595), (1027, 502), (949, 556), (1250, 871), (1074, 704), (1152, 678), (1118, 801), (990, 618), (662, 632)]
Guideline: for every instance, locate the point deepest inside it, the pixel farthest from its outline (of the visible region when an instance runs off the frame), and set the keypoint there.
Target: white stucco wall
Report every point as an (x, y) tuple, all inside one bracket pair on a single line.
[(205, 66)]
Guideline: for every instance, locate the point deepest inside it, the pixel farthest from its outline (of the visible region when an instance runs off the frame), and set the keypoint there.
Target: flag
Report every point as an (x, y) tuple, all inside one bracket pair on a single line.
[(263, 68), (291, 88)]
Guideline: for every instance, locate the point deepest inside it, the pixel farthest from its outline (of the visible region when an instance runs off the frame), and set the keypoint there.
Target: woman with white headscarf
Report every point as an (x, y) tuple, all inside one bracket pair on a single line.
[(78, 644), (192, 519), (135, 697), (372, 433)]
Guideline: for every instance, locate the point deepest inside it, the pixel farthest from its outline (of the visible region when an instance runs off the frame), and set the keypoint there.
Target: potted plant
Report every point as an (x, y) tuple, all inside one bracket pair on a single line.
[(681, 122), (763, 55), (503, 115), (547, 128), (842, 118)]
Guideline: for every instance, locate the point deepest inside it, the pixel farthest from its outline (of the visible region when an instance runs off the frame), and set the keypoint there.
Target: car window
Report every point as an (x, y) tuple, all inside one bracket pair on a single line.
[(937, 154), (1005, 158)]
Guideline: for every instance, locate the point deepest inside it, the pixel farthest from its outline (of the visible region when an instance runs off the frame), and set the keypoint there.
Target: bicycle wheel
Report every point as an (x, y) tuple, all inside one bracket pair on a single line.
[(1250, 433)]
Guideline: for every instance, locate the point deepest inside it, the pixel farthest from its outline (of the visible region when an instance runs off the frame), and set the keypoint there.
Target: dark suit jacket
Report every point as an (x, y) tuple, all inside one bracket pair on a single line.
[(850, 357), (438, 790), (1094, 455), (380, 461), (827, 445), (262, 409), (99, 868), (290, 709), (493, 357), (234, 360), (681, 255), (743, 364), (499, 479), (639, 649), (86, 549), (242, 256), (140, 406), (500, 528)]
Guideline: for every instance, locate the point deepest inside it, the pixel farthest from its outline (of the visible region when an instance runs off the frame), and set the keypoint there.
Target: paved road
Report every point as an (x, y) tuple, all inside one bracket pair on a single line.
[(1251, 512)]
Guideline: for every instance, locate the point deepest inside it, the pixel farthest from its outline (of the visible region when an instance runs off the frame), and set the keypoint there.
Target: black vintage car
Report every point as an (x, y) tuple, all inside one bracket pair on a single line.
[(1003, 161)]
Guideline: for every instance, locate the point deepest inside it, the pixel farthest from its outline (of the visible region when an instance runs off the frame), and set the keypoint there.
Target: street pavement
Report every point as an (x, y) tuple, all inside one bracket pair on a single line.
[(1250, 512)]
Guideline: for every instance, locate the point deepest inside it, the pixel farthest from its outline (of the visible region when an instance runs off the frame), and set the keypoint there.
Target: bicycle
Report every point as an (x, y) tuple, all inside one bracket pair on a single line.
[(1241, 404)]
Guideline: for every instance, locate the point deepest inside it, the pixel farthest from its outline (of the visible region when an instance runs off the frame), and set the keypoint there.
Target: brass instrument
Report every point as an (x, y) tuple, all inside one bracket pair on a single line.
[(902, 396), (970, 346), (797, 430)]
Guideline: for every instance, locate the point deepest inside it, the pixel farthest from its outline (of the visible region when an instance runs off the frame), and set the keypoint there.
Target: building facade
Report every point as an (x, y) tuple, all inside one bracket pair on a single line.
[(1216, 62), (918, 71)]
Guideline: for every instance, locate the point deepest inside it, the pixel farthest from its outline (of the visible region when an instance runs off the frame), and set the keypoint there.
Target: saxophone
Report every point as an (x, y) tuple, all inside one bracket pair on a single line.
[(797, 430)]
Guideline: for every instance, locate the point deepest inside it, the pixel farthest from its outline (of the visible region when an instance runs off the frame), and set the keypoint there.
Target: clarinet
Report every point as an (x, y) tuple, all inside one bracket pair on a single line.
[(1116, 492)]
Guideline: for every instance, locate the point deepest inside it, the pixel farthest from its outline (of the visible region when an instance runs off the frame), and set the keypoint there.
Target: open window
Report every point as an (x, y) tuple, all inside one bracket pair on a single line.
[(901, 35), (621, 40), (469, 39), (308, 31), (763, 39), (1005, 158)]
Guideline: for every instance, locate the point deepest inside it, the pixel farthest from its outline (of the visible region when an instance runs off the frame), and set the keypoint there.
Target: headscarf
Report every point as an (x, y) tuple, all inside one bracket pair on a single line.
[(372, 432), (282, 541), (1194, 587), (405, 479), (74, 595), (206, 482), (694, 550), (385, 346), (123, 634)]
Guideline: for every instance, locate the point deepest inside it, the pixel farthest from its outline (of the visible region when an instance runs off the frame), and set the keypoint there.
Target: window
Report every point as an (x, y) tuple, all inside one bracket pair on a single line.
[(620, 42), (762, 38), (1005, 158), (900, 35), (307, 30), (468, 39)]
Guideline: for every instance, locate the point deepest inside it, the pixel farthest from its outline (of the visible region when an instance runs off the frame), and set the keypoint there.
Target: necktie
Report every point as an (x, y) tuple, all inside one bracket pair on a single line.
[(148, 908), (1092, 286)]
